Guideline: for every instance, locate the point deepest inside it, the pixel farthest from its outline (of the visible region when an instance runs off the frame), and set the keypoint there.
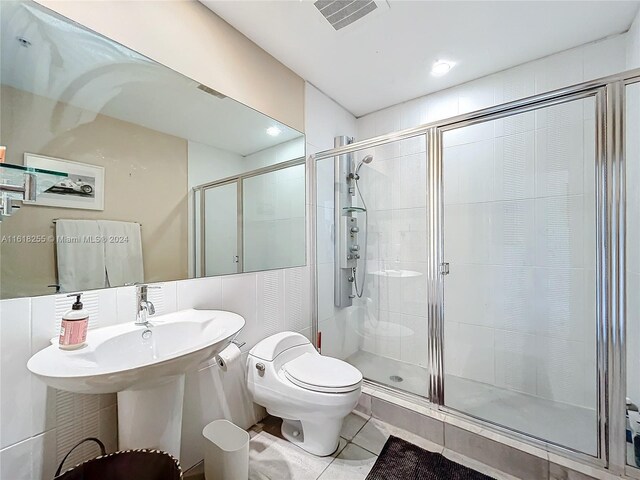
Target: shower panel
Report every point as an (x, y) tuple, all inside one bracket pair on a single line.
[(346, 228)]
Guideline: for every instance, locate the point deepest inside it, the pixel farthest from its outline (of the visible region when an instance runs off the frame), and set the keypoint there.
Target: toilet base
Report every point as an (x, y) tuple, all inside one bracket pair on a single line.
[(319, 438)]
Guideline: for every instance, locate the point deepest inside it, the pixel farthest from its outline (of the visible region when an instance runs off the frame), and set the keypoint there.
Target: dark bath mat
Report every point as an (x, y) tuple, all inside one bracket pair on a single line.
[(401, 460)]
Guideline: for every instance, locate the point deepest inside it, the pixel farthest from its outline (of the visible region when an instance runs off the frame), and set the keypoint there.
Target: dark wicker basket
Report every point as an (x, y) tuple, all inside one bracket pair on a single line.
[(125, 465)]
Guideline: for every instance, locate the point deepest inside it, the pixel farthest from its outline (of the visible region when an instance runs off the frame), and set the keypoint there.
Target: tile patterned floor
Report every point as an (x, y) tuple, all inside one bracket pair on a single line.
[(271, 457)]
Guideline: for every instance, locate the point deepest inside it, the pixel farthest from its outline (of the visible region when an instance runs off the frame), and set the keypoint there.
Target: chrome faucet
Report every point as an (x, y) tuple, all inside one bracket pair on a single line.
[(144, 306)]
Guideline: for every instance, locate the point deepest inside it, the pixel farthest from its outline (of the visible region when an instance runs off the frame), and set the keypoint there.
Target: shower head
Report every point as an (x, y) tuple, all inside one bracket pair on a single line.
[(368, 159)]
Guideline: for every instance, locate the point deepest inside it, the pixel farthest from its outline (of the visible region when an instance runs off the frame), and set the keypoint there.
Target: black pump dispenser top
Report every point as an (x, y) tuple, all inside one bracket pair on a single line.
[(77, 304)]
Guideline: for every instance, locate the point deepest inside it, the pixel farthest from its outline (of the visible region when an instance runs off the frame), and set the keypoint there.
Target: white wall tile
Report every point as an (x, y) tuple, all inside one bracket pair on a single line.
[(513, 308), (560, 309), (605, 57), (270, 298), (559, 70), (341, 334), (107, 307), (203, 293), (442, 105), (474, 347), (15, 461), (164, 298), (563, 374), (126, 304), (478, 94), (43, 455), (15, 379), (514, 166), (412, 345), (515, 357), (474, 284), (559, 231), (43, 322), (297, 298), (324, 235), (239, 296)]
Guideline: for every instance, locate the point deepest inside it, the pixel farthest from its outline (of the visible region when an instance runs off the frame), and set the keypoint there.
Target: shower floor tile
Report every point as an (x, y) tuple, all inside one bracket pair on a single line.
[(556, 422), (389, 372)]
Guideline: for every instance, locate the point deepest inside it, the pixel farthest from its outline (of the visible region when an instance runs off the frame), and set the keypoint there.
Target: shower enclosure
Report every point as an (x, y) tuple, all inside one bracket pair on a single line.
[(493, 283)]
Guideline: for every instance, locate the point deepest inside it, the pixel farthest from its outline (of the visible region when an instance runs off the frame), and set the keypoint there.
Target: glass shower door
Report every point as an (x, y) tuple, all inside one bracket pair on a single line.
[(384, 331), (221, 252), (520, 296)]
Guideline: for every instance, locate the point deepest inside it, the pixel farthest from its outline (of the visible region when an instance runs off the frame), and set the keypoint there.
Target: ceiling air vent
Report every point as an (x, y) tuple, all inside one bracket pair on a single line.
[(211, 91), (340, 13)]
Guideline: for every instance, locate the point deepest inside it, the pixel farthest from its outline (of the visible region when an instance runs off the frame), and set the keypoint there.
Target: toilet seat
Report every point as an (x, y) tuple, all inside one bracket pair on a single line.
[(322, 374)]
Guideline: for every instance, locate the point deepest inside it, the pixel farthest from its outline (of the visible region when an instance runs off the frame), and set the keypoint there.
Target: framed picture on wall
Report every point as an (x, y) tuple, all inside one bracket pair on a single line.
[(83, 187)]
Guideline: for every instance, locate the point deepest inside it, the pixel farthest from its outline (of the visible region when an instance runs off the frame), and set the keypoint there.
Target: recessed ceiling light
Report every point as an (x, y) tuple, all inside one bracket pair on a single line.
[(273, 131), (441, 67)]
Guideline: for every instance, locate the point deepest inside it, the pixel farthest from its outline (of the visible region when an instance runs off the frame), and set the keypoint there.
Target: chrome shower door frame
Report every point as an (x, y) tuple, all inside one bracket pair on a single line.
[(603, 349), (610, 247)]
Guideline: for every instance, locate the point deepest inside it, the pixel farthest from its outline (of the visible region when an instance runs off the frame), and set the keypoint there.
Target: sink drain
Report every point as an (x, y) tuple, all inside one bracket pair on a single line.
[(396, 378)]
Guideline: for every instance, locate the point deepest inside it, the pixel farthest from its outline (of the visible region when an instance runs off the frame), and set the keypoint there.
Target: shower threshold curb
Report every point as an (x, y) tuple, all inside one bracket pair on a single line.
[(533, 447)]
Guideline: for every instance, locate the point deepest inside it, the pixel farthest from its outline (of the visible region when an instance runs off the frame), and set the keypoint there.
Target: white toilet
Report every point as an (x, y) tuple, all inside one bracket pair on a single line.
[(311, 393)]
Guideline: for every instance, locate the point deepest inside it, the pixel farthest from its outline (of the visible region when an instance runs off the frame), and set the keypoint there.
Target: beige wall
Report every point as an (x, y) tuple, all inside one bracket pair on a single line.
[(189, 38), (145, 181)]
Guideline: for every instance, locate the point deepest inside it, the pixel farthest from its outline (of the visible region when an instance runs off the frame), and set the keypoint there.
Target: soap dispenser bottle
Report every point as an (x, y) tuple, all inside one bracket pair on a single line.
[(73, 331)]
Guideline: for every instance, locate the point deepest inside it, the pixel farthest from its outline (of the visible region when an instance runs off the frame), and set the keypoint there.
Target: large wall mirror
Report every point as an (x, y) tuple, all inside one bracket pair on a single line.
[(158, 177)]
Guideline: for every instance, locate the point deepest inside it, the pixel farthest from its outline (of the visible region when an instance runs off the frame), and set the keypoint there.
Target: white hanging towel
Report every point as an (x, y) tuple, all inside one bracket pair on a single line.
[(123, 252), (80, 253)]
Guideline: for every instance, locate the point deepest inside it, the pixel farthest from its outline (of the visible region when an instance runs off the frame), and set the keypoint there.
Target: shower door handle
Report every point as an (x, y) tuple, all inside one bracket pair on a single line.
[(444, 268)]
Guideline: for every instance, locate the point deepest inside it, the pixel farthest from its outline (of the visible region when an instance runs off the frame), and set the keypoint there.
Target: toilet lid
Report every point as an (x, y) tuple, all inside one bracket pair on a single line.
[(322, 374)]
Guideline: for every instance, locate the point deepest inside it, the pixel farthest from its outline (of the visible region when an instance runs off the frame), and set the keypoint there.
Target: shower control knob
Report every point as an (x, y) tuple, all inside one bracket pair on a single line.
[(357, 256), (355, 229), (351, 279), (355, 248)]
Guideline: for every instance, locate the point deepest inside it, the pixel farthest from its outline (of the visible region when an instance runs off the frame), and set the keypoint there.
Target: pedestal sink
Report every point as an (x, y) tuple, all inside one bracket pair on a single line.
[(145, 367)]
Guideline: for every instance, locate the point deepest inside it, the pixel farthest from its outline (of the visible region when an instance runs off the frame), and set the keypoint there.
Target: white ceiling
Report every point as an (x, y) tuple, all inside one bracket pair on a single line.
[(68, 63), (385, 58)]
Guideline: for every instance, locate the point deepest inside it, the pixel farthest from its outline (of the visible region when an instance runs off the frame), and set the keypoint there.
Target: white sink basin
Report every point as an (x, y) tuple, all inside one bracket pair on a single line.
[(145, 366), (119, 357)]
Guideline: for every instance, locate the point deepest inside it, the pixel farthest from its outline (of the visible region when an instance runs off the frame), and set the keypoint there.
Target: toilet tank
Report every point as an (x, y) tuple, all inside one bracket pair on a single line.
[(269, 348)]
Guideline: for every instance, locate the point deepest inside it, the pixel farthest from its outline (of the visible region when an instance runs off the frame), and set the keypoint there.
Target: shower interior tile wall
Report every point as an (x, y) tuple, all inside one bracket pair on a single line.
[(39, 425)]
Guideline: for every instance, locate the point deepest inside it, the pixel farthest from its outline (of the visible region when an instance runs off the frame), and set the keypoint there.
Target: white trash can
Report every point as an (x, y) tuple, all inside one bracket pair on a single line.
[(226, 453)]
